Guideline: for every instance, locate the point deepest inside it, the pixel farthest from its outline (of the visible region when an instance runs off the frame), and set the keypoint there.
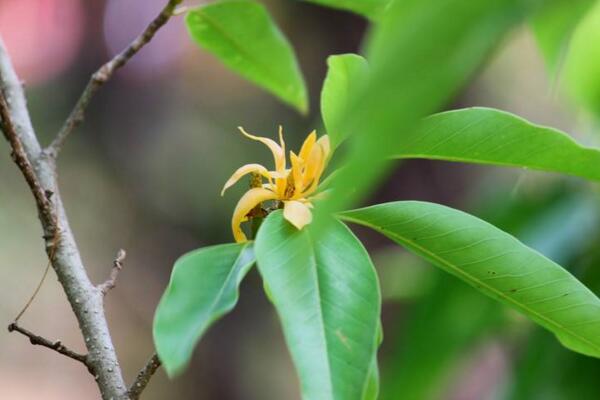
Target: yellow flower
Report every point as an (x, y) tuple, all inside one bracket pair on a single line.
[(294, 186)]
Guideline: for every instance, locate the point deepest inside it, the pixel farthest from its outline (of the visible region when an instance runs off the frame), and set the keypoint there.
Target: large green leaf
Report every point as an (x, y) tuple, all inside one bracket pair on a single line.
[(450, 323), (346, 74), (582, 63), (368, 8), (495, 263), (204, 286), (245, 38), (326, 294), (418, 57), (488, 136)]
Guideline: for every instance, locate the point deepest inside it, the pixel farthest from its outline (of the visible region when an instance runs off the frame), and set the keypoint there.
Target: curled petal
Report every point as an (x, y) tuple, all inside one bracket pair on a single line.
[(249, 200), (314, 164), (245, 170), (297, 213), (277, 150), (281, 141), (297, 166), (308, 145)]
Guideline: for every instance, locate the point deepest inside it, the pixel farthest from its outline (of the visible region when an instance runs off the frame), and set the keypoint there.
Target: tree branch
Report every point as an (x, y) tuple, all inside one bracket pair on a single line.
[(39, 170), (114, 273), (143, 377), (100, 77), (85, 299), (56, 346), (20, 158)]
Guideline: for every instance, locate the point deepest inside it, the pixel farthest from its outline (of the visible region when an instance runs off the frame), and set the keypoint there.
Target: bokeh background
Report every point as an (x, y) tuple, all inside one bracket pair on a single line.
[(144, 174)]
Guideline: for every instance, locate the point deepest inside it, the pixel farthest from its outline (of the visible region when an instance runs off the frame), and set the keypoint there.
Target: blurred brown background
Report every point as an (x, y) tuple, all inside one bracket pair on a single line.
[(144, 174)]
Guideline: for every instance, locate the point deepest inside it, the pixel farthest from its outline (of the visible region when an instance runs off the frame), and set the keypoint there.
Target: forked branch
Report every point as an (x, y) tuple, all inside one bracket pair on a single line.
[(39, 171), (102, 75)]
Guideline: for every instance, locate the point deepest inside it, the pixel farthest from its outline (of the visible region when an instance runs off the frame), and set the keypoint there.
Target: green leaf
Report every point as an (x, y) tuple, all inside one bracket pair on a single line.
[(204, 287), (581, 77), (368, 8), (371, 391), (495, 263), (345, 75), (327, 297), (418, 57), (488, 136), (244, 37), (554, 26)]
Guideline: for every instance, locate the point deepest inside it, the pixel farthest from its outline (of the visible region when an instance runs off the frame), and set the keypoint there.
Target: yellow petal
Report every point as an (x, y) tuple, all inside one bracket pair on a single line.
[(297, 165), (316, 165), (281, 142), (249, 200), (313, 165), (277, 150), (308, 145), (297, 213), (245, 170)]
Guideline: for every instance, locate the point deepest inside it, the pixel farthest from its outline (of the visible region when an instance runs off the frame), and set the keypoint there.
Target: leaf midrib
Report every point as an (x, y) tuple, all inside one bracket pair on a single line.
[(313, 259), (240, 48), (470, 278)]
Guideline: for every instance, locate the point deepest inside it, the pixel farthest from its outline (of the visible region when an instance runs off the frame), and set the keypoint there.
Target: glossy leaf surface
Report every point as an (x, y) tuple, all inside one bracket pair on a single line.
[(204, 286), (243, 36), (327, 297), (489, 136), (495, 263)]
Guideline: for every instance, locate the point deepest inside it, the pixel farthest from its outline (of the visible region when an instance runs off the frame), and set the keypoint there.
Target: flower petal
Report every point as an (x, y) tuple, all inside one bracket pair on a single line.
[(316, 165), (297, 213), (245, 170), (297, 166), (249, 200), (307, 146), (277, 150), (281, 141)]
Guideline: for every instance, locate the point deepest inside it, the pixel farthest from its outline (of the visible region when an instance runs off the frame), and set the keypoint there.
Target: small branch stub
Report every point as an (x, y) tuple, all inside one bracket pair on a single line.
[(111, 282)]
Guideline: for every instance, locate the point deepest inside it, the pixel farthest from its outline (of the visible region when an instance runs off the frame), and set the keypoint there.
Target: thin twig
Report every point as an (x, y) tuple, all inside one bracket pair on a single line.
[(20, 158), (56, 346), (111, 282), (143, 377), (100, 77)]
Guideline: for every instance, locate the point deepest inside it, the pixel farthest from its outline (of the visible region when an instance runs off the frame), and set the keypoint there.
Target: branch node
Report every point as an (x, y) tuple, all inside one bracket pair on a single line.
[(111, 282)]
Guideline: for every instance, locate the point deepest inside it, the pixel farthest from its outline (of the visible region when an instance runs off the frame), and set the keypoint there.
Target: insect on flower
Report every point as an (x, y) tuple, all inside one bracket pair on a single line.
[(294, 187)]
